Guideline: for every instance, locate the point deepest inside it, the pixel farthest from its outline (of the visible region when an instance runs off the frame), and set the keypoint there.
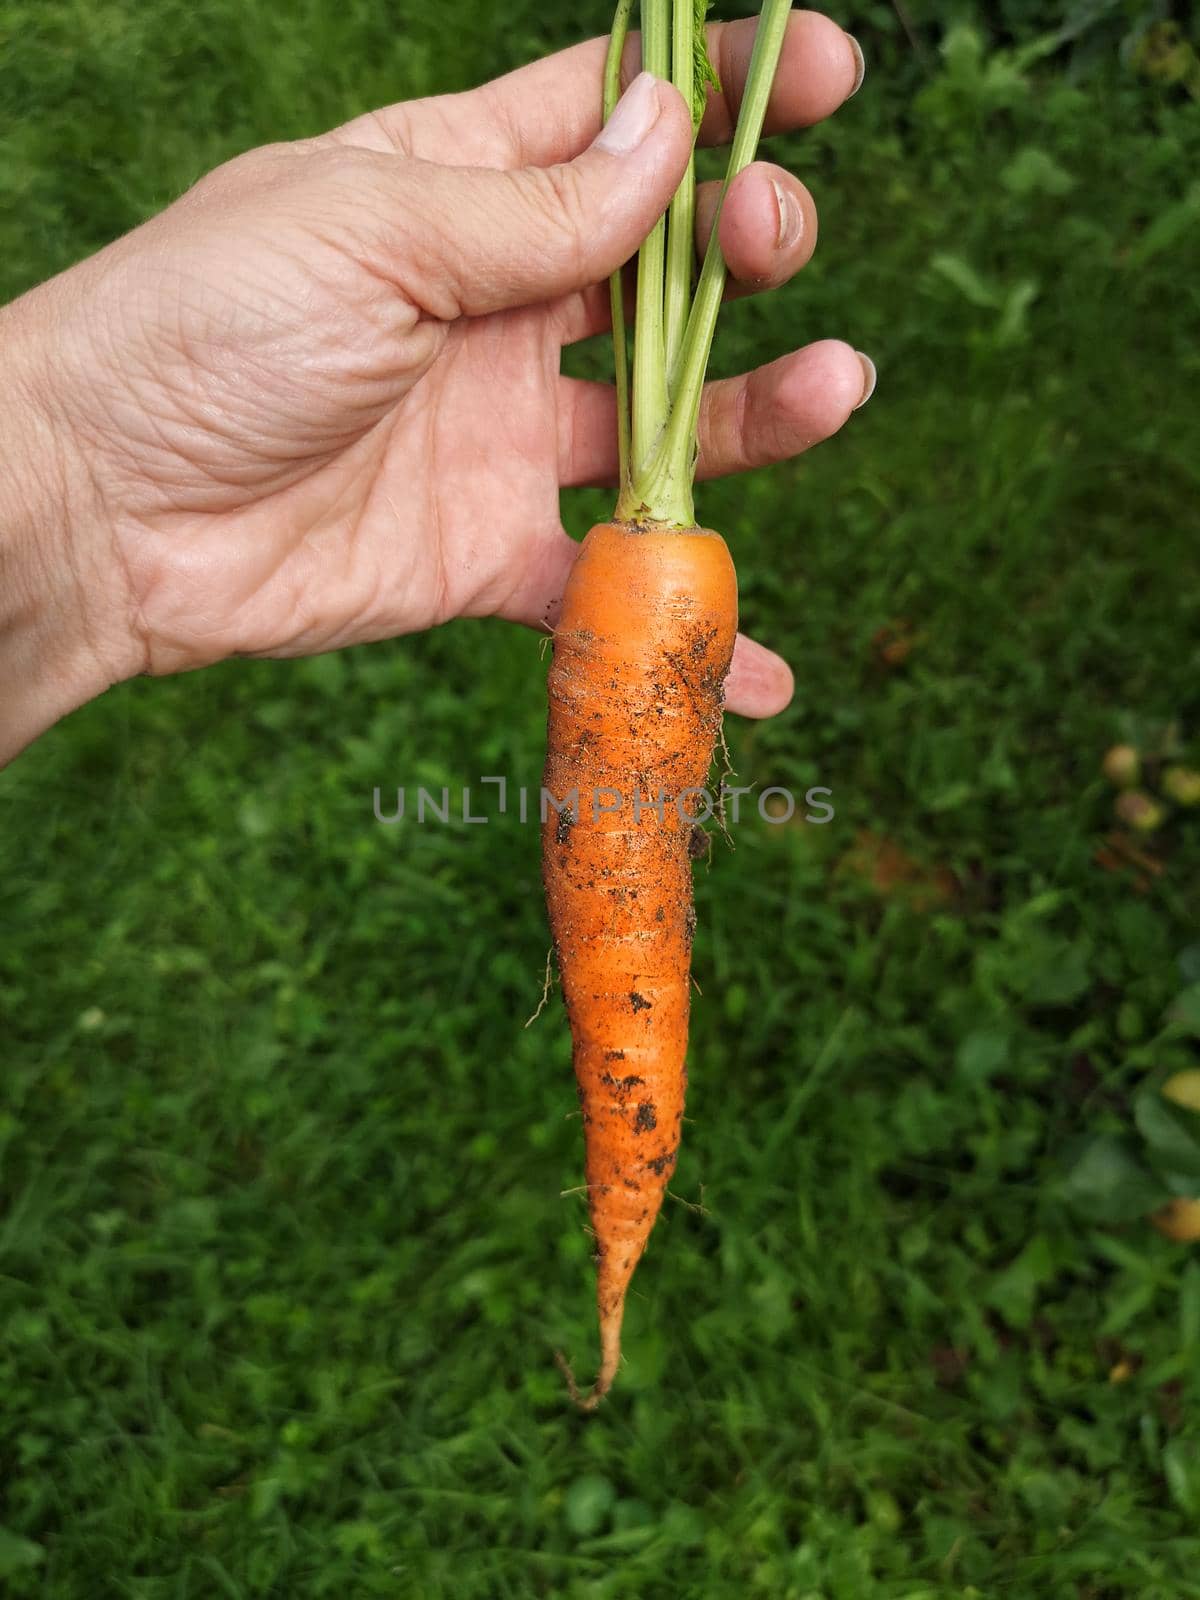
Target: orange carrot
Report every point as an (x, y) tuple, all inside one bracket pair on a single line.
[(641, 650), (640, 655)]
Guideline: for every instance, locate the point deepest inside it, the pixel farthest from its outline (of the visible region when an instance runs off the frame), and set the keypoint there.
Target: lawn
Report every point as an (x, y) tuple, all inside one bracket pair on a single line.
[(289, 1213)]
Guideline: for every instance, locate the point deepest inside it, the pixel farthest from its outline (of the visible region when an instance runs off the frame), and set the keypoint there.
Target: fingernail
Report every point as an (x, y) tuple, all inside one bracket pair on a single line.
[(860, 65), (635, 114), (869, 378), (791, 218)]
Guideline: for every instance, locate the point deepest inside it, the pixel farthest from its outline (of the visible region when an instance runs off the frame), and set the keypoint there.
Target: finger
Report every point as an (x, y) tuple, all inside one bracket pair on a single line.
[(549, 111), (820, 67), (768, 232), (466, 241), (759, 684), (768, 225), (771, 414), (782, 409)]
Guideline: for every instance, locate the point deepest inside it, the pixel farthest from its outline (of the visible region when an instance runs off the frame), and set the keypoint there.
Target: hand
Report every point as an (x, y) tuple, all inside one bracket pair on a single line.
[(317, 401)]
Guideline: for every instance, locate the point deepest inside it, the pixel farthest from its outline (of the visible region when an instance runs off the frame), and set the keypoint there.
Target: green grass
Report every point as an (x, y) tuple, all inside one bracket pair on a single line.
[(283, 1247)]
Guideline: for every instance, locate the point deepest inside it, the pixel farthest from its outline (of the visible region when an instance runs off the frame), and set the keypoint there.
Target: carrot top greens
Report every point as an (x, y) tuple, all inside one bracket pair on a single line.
[(658, 412)]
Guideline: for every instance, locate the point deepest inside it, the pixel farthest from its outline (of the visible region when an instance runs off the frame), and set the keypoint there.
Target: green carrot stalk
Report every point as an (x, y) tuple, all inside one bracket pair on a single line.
[(616, 288), (649, 358), (682, 215), (673, 330)]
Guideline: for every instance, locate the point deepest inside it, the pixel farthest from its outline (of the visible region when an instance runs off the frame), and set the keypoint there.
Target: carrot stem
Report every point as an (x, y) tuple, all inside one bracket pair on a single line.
[(681, 219), (616, 290), (660, 487), (649, 361)]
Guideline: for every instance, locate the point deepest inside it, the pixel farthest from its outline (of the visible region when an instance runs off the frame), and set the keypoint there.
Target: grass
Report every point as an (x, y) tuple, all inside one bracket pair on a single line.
[(283, 1247)]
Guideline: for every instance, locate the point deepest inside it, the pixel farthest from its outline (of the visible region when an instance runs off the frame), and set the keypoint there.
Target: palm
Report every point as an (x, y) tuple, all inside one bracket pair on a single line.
[(393, 473), (472, 457)]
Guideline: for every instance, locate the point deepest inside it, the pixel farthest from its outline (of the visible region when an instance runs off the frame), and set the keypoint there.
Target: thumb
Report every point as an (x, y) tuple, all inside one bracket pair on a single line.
[(489, 240)]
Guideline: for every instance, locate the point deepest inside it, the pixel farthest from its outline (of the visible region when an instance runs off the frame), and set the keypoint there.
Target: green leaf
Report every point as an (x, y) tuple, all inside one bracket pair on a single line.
[(966, 280), (1106, 1182), (704, 74), (1189, 1308), (1013, 324), (1062, 975), (17, 1554), (1032, 171), (1185, 1013), (1047, 1494), (327, 674), (587, 1504), (1167, 229), (1128, 1307), (1172, 1134), (683, 1526), (963, 50), (982, 1054), (631, 1514), (1181, 1468), (1014, 1291)]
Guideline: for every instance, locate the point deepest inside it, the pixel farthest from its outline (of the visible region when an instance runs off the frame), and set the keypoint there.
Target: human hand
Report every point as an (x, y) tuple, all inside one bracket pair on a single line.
[(317, 401)]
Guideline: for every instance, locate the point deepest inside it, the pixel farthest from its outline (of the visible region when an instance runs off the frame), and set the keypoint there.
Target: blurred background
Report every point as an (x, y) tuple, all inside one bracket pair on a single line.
[(289, 1211)]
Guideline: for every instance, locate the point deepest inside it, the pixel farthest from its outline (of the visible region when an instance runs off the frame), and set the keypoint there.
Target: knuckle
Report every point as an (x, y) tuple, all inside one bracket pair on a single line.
[(557, 193)]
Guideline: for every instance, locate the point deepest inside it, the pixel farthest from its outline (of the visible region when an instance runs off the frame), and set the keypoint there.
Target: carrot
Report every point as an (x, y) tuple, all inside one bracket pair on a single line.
[(640, 655), (641, 650)]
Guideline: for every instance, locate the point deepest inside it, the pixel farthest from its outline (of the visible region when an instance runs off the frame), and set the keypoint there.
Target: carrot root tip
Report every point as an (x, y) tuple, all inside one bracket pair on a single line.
[(584, 1402), (610, 1360)]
